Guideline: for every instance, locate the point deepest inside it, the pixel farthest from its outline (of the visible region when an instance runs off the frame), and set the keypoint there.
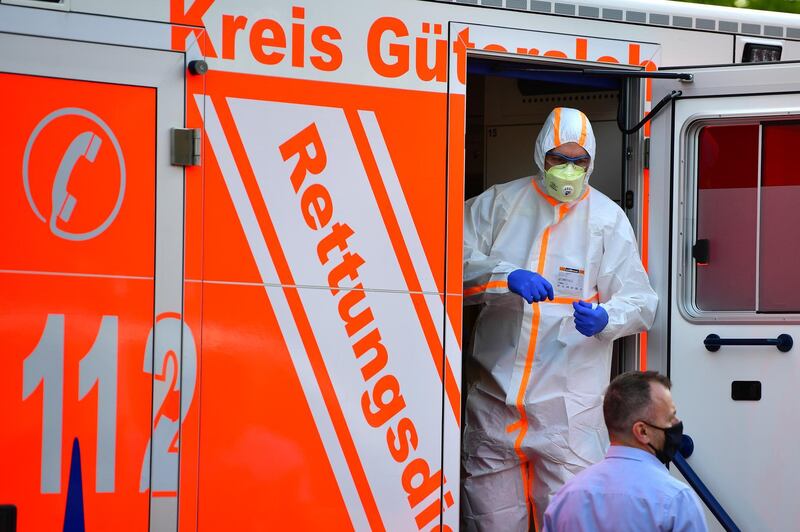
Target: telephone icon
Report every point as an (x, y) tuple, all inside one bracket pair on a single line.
[(85, 145)]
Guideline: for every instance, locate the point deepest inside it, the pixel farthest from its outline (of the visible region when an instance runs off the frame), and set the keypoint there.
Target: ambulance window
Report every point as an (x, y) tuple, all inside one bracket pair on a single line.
[(727, 207), (779, 267), (747, 256)]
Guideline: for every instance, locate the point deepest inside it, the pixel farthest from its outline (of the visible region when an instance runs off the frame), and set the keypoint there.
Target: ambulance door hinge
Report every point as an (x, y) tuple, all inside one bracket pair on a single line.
[(629, 200), (185, 147), (647, 152)]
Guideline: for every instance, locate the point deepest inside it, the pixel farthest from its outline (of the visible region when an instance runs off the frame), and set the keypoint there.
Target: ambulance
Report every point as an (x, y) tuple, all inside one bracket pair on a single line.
[(231, 246)]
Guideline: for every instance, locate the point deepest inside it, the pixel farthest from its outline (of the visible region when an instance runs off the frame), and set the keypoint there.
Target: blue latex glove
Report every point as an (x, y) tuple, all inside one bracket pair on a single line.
[(531, 286), (589, 321)]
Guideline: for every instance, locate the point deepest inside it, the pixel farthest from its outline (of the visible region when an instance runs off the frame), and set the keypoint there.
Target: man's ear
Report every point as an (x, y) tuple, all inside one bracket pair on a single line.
[(639, 431)]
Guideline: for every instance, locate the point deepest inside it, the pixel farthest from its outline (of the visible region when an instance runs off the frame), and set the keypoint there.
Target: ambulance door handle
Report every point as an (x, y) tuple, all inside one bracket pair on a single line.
[(783, 342)]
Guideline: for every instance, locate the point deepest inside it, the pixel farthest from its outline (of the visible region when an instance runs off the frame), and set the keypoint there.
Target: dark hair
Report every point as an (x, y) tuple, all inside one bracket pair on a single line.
[(628, 398)]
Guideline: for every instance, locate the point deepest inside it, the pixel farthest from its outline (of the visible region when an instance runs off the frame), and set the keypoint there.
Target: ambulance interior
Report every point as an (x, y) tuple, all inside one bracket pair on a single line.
[(507, 104)]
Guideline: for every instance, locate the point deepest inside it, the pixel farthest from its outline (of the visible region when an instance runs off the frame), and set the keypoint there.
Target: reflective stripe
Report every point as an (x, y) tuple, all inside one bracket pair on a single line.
[(306, 332), (556, 125), (550, 199), (523, 419), (543, 246), (534, 513), (582, 140), (484, 287), (522, 424), (562, 210), (529, 356), (645, 216), (645, 254), (571, 300), (384, 204)]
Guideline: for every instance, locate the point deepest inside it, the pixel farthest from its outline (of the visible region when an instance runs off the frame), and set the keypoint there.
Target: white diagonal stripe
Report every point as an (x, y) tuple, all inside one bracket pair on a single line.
[(411, 237), (280, 306)]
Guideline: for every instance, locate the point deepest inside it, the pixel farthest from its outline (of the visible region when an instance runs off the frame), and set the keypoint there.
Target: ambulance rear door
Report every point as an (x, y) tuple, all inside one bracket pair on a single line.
[(725, 191), (94, 379)]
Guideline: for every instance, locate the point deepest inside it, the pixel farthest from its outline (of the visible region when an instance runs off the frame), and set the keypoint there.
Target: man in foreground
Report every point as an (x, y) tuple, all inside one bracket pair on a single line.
[(631, 489)]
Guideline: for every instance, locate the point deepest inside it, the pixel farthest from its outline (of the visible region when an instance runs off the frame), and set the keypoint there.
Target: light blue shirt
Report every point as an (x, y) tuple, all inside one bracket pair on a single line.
[(630, 490)]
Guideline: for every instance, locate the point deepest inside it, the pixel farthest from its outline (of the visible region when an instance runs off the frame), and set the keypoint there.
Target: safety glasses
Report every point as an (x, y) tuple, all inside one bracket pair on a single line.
[(554, 158)]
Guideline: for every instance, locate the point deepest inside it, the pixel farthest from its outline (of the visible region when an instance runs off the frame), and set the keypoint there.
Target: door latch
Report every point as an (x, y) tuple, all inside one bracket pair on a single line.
[(701, 251)]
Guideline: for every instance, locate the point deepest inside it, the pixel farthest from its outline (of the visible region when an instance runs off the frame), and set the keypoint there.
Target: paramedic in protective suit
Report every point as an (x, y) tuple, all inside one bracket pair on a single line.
[(556, 266)]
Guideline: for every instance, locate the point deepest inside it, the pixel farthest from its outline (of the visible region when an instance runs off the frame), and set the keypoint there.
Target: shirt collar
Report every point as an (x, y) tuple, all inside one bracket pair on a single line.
[(632, 453)]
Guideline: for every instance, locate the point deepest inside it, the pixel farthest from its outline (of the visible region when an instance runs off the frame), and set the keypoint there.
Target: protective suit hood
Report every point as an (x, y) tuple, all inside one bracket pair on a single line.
[(564, 125)]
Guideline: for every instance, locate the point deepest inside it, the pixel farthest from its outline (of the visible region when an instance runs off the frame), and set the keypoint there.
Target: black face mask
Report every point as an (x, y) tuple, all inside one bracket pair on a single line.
[(672, 442)]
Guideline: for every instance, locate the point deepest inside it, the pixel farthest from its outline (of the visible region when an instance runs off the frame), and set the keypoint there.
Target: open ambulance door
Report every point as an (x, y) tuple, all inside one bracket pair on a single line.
[(725, 248)]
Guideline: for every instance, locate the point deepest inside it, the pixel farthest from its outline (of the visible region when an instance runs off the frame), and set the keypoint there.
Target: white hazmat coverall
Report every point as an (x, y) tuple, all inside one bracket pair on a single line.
[(534, 417)]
